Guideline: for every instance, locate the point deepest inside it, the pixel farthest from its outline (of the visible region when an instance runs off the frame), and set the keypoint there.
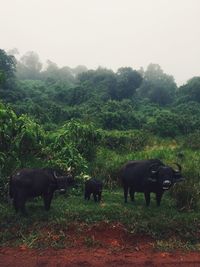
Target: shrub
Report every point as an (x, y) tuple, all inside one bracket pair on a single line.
[(64, 155), (164, 124), (85, 137), (106, 166), (193, 140), (73, 145), (187, 193), (30, 137), (19, 138), (125, 140)]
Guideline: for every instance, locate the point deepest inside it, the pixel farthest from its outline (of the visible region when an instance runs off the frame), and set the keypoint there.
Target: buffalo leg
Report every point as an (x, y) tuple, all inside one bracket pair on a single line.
[(132, 193), (19, 202), (95, 197), (147, 198), (21, 205), (15, 202), (47, 201), (158, 198), (99, 196), (125, 193), (87, 195)]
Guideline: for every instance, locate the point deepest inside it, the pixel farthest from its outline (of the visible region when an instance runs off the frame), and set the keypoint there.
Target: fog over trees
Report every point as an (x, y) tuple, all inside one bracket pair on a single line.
[(126, 99)]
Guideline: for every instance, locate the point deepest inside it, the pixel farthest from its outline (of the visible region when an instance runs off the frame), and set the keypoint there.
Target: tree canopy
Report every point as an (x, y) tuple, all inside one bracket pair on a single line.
[(159, 87), (7, 70), (123, 100)]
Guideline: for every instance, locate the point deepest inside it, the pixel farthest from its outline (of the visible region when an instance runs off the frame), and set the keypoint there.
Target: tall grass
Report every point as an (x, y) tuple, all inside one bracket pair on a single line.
[(187, 194), (178, 215), (160, 223)]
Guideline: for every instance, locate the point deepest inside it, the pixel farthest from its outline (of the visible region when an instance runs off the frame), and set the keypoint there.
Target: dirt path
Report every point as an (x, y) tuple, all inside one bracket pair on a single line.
[(100, 246), (10, 257)]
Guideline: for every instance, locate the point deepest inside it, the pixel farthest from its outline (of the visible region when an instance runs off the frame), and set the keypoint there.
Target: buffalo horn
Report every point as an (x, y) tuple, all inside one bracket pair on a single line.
[(55, 176), (69, 169), (179, 167)]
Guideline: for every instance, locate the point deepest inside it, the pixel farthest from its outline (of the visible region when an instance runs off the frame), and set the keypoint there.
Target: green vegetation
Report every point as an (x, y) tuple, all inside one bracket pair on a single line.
[(160, 223), (94, 121)]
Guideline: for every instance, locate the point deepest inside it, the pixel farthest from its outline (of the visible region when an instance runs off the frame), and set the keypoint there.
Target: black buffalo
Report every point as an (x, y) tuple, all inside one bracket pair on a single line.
[(30, 183), (93, 186), (148, 176)]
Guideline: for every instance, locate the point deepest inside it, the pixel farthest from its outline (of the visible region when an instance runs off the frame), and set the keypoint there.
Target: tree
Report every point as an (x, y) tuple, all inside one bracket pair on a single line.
[(7, 70), (157, 86), (118, 115), (128, 80), (190, 91), (101, 83), (29, 66), (55, 75), (1, 76), (50, 74), (164, 123), (66, 74), (188, 116), (110, 85), (79, 69)]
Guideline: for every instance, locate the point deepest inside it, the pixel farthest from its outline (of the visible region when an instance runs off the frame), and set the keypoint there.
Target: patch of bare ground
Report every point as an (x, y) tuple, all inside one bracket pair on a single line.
[(98, 245)]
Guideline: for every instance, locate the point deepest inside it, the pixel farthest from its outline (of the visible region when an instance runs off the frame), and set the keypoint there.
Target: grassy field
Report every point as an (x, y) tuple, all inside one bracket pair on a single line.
[(176, 224), (166, 224)]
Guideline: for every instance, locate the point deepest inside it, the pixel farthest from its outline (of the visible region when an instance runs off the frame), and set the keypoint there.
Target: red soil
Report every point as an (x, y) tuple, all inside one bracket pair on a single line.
[(100, 245)]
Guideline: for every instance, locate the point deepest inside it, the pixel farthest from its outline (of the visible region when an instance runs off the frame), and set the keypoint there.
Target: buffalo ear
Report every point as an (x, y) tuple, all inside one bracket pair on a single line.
[(153, 169)]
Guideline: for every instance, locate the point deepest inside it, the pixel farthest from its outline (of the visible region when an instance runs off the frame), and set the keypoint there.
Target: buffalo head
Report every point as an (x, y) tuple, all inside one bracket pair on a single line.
[(165, 176), (63, 182)]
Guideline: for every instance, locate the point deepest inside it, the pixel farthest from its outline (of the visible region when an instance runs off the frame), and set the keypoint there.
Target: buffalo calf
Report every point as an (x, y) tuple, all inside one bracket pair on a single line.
[(93, 186)]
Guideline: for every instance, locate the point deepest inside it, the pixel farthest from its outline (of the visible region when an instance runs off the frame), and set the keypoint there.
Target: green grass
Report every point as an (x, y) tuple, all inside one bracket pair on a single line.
[(170, 227), (161, 223)]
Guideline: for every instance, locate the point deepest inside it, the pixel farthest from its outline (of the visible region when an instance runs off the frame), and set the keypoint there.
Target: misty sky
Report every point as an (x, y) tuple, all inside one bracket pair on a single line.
[(107, 33)]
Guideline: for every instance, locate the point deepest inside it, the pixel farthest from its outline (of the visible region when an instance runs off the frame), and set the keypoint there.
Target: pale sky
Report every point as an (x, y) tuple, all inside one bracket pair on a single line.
[(107, 33)]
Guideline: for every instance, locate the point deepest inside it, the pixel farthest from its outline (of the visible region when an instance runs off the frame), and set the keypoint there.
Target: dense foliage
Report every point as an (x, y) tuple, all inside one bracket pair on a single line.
[(123, 100), (94, 120)]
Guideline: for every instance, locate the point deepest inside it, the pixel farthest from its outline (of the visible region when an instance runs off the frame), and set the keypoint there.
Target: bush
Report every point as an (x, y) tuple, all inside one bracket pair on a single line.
[(30, 138), (187, 193), (85, 137), (64, 155), (118, 115), (193, 140), (125, 140), (73, 145), (19, 138), (106, 166), (164, 124)]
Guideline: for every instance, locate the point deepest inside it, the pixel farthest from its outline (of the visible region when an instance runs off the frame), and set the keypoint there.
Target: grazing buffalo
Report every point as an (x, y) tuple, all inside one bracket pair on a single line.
[(148, 176), (30, 183), (93, 186)]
